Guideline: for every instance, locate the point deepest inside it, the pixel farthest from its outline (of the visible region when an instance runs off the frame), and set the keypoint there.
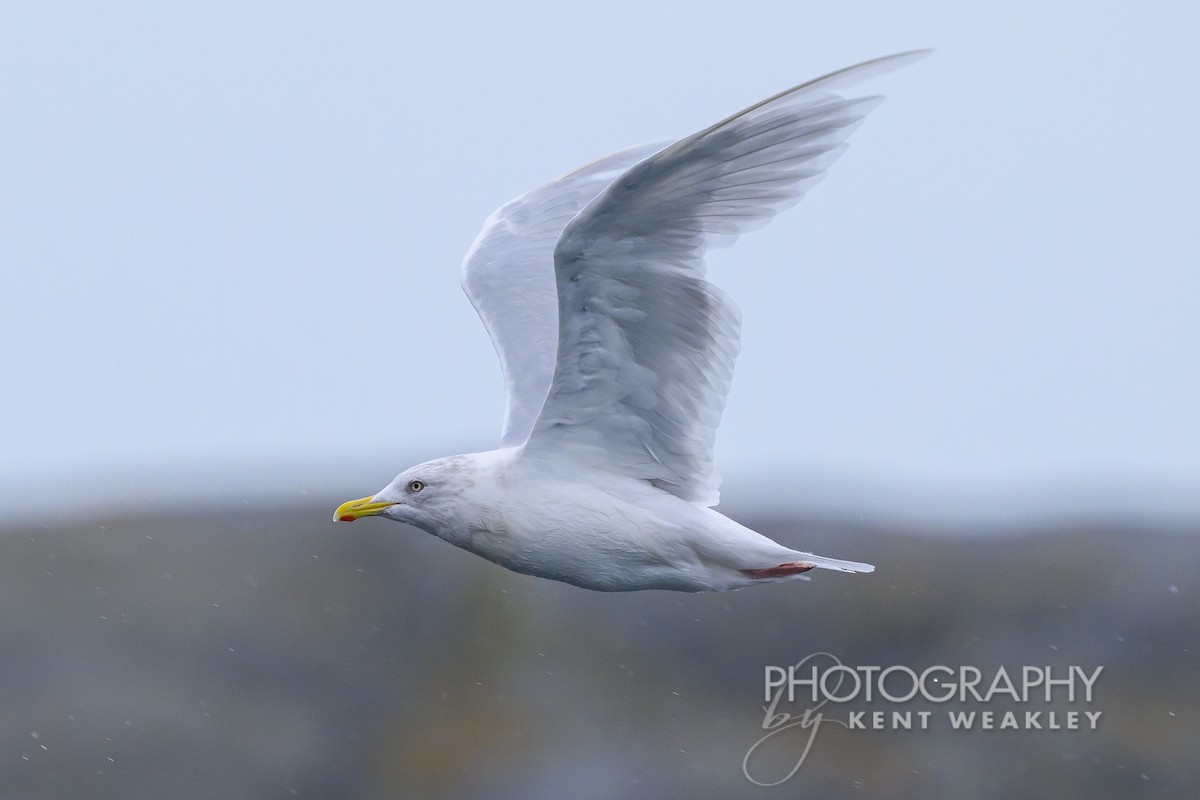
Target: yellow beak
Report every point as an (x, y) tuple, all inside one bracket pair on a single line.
[(356, 509)]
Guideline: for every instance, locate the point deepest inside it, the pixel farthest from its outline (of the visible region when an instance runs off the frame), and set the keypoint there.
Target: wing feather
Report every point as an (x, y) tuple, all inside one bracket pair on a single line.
[(646, 346), (508, 275)]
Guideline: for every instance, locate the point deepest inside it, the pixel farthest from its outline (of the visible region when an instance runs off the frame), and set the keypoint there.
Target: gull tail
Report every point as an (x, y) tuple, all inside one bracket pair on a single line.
[(803, 563), (837, 563), (758, 558)]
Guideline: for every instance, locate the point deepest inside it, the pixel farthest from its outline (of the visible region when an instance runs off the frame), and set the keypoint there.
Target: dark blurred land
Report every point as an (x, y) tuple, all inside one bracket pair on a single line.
[(252, 653)]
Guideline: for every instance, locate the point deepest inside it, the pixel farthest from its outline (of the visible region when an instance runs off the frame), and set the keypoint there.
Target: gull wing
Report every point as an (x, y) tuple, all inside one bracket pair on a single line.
[(646, 345), (508, 275)]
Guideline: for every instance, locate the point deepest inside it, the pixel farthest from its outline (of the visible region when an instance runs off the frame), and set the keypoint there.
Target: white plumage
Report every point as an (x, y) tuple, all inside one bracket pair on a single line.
[(617, 354)]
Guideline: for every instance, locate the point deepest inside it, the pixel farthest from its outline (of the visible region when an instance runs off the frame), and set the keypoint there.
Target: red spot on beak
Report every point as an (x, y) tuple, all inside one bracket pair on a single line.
[(346, 518)]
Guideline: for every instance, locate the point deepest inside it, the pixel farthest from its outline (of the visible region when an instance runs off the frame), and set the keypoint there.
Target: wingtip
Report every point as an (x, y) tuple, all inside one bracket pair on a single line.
[(913, 55), (897, 60), (873, 67)]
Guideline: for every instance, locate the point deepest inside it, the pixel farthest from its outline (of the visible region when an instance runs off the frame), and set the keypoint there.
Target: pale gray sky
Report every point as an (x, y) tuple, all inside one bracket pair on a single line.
[(230, 235)]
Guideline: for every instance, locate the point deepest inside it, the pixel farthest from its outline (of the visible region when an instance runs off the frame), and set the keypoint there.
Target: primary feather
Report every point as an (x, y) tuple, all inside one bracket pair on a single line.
[(646, 345)]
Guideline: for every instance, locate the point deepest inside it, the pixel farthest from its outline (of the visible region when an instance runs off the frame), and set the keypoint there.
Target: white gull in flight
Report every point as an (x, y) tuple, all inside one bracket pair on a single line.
[(618, 353)]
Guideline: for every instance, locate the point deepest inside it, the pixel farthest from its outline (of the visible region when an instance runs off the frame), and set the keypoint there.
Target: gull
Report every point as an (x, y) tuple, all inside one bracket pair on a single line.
[(617, 355)]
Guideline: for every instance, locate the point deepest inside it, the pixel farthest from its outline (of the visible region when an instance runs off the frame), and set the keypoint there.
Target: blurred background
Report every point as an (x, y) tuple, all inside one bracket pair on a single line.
[(230, 235)]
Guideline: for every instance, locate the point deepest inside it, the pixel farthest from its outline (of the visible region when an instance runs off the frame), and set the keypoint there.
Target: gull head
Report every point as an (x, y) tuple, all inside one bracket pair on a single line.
[(428, 496)]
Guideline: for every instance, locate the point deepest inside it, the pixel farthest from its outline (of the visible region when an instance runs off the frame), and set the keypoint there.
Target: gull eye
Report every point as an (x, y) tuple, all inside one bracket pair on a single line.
[(415, 486)]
